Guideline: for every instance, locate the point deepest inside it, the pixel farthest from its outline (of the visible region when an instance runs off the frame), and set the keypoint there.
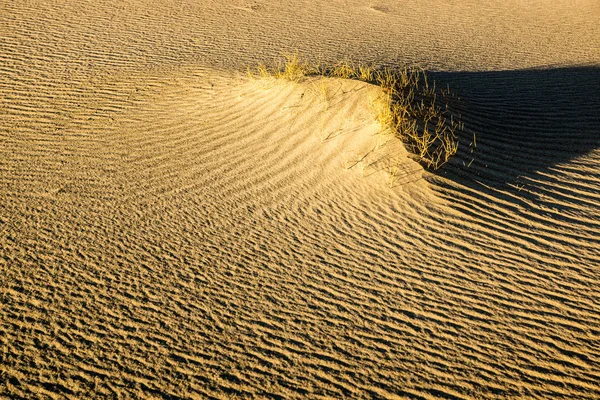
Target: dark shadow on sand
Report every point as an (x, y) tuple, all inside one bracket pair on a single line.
[(525, 121)]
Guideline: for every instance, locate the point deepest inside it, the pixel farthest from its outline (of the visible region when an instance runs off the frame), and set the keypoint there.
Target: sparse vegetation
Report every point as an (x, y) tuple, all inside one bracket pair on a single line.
[(411, 106)]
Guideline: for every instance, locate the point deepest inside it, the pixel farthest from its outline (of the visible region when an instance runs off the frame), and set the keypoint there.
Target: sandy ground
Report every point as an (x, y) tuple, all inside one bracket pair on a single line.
[(170, 228)]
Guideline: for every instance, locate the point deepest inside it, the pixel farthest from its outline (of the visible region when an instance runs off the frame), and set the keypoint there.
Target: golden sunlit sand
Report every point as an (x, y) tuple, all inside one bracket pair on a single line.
[(172, 228)]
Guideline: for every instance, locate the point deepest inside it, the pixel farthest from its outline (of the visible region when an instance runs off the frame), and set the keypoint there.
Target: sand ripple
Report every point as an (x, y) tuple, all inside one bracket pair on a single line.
[(174, 231)]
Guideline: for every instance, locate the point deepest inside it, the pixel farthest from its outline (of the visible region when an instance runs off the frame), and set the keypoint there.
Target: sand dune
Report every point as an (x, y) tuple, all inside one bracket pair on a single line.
[(170, 228)]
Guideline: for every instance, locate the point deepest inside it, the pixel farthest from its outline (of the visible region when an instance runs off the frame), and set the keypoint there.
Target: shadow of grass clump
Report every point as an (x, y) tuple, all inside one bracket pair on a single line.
[(412, 107), (527, 121)]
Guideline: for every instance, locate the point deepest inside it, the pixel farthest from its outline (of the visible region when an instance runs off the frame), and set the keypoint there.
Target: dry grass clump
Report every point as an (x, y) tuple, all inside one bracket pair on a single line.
[(411, 106), (420, 115), (289, 68)]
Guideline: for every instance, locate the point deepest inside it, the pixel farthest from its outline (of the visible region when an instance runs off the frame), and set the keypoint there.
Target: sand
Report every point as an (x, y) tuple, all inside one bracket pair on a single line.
[(170, 228)]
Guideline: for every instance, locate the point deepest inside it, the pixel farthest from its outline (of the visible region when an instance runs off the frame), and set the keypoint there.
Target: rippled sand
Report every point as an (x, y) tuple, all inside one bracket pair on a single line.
[(170, 228)]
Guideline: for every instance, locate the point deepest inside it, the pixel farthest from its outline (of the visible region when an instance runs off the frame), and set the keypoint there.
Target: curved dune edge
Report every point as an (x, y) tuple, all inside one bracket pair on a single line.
[(341, 115)]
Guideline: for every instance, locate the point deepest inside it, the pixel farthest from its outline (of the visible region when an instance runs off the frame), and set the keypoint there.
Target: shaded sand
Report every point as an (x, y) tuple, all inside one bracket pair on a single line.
[(171, 229)]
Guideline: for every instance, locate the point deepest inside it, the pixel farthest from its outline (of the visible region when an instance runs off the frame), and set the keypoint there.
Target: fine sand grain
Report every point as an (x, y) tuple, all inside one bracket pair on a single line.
[(170, 228)]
